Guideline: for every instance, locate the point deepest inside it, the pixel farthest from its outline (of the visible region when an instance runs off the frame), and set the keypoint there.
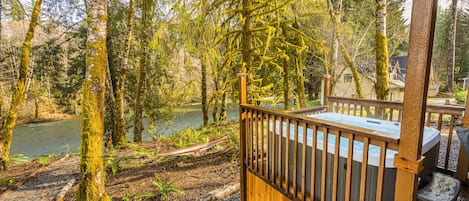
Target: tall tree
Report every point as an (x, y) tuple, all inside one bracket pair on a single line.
[(92, 171), (451, 46), (203, 63), (117, 78), (382, 60), (348, 59), (19, 93), (247, 42), (141, 75)]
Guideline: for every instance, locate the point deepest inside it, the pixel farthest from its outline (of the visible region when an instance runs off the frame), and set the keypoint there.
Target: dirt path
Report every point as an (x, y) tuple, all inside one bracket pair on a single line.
[(46, 184)]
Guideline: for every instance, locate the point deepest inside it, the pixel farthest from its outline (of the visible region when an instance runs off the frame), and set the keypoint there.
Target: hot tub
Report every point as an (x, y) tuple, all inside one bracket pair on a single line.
[(430, 151)]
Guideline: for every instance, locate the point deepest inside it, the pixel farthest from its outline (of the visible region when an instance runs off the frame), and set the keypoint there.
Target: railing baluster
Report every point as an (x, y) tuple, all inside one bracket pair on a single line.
[(272, 148), (440, 121), (303, 162), (262, 145), (364, 169), (348, 109), (314, 139), (295, 159), (381, 167), (348, 177), (399, 116), (391, 114), (336, 165), (361, 110), (251, 144), (450, 139), (256, 134), (266, 157), (279, 162), (287, 157), (429, 119), (324, 163)]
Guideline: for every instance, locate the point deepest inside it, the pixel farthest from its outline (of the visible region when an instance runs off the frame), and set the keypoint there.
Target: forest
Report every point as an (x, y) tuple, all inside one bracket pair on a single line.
[(125, 66)]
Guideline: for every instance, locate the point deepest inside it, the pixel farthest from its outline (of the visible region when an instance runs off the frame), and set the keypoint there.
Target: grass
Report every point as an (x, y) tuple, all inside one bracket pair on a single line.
[(189, 137)]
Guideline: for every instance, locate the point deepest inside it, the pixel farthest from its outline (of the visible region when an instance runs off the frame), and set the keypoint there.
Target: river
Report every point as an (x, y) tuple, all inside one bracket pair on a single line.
[(64, 136)]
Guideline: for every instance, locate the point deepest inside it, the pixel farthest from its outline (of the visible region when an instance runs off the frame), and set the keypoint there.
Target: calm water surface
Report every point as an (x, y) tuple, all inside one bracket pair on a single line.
[(64, 136)]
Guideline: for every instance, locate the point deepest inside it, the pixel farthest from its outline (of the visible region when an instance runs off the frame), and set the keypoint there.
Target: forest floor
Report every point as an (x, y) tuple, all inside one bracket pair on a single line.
[(133, 173)]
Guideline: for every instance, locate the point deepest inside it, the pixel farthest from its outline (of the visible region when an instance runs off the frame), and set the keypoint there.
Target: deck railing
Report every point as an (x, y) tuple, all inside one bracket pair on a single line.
[(278, 144), (442, 117)]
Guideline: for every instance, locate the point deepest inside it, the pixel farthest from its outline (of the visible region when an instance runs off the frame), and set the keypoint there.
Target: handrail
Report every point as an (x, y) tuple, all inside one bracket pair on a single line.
[(362, 132), (433, 108), (309, 110)]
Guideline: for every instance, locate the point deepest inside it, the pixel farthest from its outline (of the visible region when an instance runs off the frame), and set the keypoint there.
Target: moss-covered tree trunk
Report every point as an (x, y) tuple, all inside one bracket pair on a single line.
[(451, 46), (345, 54), (247, 43), (300, 79), (92, 174), (141, 75), (19, 92), (382, 58), (203, 71), (2, 91), (118, 111), (224, 106), (286, 85)]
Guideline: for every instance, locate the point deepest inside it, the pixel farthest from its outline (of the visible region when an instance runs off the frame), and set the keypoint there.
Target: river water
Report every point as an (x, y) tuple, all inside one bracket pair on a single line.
[(64, 136)]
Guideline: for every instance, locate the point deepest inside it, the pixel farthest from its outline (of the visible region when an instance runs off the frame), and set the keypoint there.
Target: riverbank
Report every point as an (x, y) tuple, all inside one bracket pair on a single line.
[(43, 118), (139, 172)]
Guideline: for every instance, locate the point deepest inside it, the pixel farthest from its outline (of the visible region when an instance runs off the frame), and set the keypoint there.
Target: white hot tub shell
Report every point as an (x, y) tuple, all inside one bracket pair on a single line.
[(430, 151)]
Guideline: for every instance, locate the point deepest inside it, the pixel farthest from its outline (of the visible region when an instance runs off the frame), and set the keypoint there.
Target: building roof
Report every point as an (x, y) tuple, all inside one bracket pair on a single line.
[(401, 61)]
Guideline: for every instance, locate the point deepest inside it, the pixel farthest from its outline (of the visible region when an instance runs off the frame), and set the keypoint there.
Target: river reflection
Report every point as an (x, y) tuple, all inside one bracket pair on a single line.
[(64, 136)]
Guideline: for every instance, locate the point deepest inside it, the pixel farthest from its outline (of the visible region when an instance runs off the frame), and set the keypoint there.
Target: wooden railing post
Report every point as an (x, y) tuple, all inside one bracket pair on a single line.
[(409, 161), (326, 89), (242, 139)]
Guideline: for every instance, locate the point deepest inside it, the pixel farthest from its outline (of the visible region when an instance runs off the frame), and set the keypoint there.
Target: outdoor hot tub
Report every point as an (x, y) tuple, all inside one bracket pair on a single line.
[(429, 149)]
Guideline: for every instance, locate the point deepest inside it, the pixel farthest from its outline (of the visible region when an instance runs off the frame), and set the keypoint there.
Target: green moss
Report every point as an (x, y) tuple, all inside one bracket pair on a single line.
[(382, 74), (91, 185), (18, 95)]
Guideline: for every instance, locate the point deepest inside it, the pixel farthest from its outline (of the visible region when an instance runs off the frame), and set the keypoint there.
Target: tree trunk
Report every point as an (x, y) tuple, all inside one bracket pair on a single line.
[(121, 125), (138, 122), (91, 186), (286, 90), (215, 104), (346, 55), (382, 58), (247, 43), (18, 94), (224, 106), (2, 91), (204, 90), (451, 46)]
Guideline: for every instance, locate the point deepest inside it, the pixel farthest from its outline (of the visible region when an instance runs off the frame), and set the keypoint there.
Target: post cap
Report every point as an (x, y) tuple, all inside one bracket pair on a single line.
[(328, 76), (242, 74)]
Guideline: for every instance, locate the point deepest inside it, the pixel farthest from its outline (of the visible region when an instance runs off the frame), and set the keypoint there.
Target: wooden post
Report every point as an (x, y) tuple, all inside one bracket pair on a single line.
[(409, 161), (326, 89), (242, 129), (463, 161)]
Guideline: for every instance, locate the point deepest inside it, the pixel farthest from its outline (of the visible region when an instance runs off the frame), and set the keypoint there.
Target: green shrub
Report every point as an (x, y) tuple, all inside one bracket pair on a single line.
[(461, 96)]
